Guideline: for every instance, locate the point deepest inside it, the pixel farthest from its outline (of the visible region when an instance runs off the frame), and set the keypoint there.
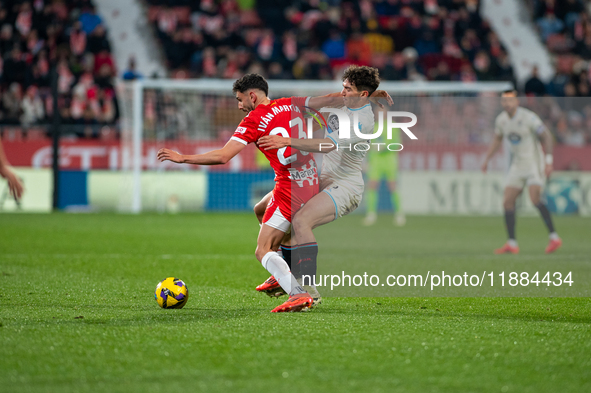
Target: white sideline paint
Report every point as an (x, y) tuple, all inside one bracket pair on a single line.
[(131, 35), (520, 37)]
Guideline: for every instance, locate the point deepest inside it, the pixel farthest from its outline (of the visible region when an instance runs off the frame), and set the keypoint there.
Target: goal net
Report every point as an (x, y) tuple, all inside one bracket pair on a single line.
[(455, 123)]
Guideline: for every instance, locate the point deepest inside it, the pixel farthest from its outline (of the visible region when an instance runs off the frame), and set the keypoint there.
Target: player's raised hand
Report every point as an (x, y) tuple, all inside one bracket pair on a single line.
[(14, 184), (484, 166), (376, 95), (270, 142), (170, 155)]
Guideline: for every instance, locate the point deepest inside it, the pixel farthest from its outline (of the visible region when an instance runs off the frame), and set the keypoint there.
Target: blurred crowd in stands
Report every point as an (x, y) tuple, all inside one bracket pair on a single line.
[(408, 40), (565, 27), (313, 39), (37, 35)]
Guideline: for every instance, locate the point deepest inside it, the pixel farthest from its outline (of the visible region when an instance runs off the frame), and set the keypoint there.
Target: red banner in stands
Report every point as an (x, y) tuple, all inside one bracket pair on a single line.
[(86, 155)]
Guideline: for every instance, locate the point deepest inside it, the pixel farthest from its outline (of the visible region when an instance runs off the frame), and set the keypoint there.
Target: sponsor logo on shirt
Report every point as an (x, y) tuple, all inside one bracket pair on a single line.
[(307, 174), (514, 138), (333, 124)]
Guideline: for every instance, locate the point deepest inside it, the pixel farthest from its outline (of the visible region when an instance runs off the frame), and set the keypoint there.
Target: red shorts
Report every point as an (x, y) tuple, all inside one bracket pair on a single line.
[(285, 203)]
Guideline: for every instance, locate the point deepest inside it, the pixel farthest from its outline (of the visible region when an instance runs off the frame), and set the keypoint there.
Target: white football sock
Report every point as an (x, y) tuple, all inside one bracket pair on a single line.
[(554, 236), (512, 242), (280, 270)]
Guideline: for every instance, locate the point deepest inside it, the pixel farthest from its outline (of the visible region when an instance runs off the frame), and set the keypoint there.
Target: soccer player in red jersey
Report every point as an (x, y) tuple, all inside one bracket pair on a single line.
[(296, 176)]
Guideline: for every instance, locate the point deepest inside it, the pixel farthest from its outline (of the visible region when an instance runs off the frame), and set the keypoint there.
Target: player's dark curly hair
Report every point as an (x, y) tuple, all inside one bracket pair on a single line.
[(364, 78), (251, 81)]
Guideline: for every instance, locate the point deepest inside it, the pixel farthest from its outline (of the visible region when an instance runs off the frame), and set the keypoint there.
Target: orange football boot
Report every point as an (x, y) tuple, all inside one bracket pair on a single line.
[(553, 245), (295, 303), (271, 287), (507, 249)]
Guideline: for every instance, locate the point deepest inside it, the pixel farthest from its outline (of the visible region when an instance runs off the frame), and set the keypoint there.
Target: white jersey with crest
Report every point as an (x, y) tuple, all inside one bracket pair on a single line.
[(522, 132), (344, 164)]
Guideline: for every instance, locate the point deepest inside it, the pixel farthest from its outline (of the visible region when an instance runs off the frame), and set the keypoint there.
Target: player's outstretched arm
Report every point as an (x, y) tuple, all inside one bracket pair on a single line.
[(270, 142), (329, 100), (214, 157), (14, 184), (494, 146)]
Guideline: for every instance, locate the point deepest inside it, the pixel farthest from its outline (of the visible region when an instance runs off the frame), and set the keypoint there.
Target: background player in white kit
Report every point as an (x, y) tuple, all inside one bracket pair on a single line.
[(529, 167), (341, 179)]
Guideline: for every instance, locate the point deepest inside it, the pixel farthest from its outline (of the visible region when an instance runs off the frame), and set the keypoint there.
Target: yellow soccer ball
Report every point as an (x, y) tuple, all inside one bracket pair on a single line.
[(171, 293)]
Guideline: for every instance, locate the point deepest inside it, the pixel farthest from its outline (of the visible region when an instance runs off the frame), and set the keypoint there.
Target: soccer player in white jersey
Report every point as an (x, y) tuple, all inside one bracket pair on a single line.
[(341, 179), (529, 166)]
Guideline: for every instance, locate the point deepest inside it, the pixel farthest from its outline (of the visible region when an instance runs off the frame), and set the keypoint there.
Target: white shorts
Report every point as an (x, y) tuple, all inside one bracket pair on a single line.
[(276, 219), (345, 201), (520, 177)]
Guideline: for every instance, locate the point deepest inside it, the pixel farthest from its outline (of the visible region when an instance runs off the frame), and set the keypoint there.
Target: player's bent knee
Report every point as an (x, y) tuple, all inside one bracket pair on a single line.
[(260, 252), (534, 196), (509, 204), (300, 224)]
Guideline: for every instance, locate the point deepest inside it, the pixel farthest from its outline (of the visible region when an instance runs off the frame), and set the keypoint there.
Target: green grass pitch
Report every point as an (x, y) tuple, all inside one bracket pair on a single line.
[(77, 313)]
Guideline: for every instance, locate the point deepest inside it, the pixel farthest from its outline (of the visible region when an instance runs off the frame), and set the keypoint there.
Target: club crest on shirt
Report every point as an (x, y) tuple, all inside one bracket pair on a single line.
[(514, 138), (333, 124)]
